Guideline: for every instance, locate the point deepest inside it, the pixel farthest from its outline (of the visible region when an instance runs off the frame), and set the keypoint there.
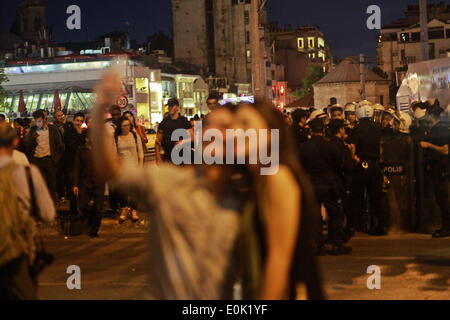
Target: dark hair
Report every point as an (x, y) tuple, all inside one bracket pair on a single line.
[(7, 135), (132, 116), (213, 96), (38, 114), (335, 125), (79, 114), (2, 116), (298, 114), (119, 132), (173, 102), (317, 125), (114, 108)]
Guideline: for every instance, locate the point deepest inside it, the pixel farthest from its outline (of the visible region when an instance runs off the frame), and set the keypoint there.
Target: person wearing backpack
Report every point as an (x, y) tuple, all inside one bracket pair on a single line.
[(129, 149), (24, 197)]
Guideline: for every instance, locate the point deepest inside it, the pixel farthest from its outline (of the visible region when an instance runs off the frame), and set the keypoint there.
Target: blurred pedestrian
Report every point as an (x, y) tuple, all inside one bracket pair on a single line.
[(23, 198), (193, 232)]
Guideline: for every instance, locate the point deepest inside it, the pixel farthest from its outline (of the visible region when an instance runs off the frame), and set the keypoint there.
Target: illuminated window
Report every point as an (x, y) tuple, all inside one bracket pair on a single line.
[(142, 85), (249, 56), (300, 43), (404, 37), (320, 43), (322, 56), (311, 42)]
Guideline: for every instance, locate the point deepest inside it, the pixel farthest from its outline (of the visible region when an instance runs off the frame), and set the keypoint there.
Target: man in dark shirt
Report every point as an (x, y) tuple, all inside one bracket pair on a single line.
[(315, 155), (435, 147), (171, 123), (368, 175), (87, 187)]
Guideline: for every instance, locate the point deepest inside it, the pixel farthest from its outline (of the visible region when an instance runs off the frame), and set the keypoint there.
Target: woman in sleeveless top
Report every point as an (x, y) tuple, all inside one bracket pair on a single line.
[(277, 224)]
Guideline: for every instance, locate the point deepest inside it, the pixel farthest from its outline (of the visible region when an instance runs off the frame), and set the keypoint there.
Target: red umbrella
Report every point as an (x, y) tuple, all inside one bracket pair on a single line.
[(56, 102), (22, 106)]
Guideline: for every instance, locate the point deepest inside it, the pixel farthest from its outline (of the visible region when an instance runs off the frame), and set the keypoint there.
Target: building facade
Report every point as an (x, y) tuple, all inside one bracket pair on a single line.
[(216, 36), (297, 49), (343, 85), (399, 42)]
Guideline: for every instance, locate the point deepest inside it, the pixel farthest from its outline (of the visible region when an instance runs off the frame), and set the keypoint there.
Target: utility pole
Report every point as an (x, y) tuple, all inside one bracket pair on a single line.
[(258, 71), (424, 30), (362, 76)]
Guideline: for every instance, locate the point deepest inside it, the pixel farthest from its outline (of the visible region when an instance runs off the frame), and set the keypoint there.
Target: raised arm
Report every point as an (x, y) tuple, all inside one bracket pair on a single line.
[(106, 161)]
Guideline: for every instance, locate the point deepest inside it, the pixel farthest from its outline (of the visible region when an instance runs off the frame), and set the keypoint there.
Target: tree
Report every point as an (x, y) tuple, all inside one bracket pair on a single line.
[(315, 74), (3, 78), (161, 41)]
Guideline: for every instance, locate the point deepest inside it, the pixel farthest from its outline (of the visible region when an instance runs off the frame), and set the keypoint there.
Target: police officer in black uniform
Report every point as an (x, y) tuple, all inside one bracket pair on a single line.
[(368, 175), (344, 165), (435, 147), (315, 154)]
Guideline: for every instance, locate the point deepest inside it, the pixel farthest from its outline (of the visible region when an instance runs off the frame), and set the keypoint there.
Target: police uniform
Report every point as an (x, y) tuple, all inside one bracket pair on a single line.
[(436, 169), (368, 176), (315, 154)]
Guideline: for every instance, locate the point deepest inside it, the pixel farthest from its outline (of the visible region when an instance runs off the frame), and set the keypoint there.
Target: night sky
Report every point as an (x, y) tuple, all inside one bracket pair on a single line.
[(342, 21)]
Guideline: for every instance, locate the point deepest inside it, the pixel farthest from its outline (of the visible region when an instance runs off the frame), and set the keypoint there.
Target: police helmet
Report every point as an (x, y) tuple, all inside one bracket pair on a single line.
[(419, 109), (364, 109), (317, 114), (405, 122), (350, 107)]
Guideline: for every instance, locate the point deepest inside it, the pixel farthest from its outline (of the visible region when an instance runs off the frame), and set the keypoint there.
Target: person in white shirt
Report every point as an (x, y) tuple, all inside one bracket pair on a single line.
[(20, 158), (15, 279)]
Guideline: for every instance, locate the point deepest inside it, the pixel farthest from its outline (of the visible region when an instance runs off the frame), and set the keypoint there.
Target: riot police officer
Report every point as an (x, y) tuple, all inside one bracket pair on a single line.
[(435, 147), (343, 165), (368, 176), (350, 117), (378, 112), (316, 155)]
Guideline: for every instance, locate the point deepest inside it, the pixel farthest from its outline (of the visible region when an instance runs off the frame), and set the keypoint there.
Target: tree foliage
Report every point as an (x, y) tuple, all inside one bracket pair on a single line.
[(3, 79), (161, 41), (315, 74)]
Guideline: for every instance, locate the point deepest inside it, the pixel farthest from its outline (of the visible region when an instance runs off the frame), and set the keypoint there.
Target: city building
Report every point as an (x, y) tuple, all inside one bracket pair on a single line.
[(146, 90), (29, 36), (216, 37), (399, 42), (296, 49), (342, 85)]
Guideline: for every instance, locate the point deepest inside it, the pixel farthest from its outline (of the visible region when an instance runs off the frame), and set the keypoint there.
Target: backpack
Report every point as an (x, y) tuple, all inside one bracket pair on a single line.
[(17, 230)]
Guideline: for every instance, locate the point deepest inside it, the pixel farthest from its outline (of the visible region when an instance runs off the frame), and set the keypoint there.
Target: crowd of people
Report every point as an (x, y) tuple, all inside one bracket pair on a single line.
[(215, 225)]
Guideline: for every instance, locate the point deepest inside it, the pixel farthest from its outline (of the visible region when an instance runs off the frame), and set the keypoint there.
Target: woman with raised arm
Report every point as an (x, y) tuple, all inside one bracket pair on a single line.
[(194, 224)]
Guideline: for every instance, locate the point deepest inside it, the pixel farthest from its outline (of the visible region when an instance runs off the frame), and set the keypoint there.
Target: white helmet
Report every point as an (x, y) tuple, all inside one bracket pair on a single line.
[(377, 107), (405, 122), (364, 109), (317, 114), (350, 107)]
